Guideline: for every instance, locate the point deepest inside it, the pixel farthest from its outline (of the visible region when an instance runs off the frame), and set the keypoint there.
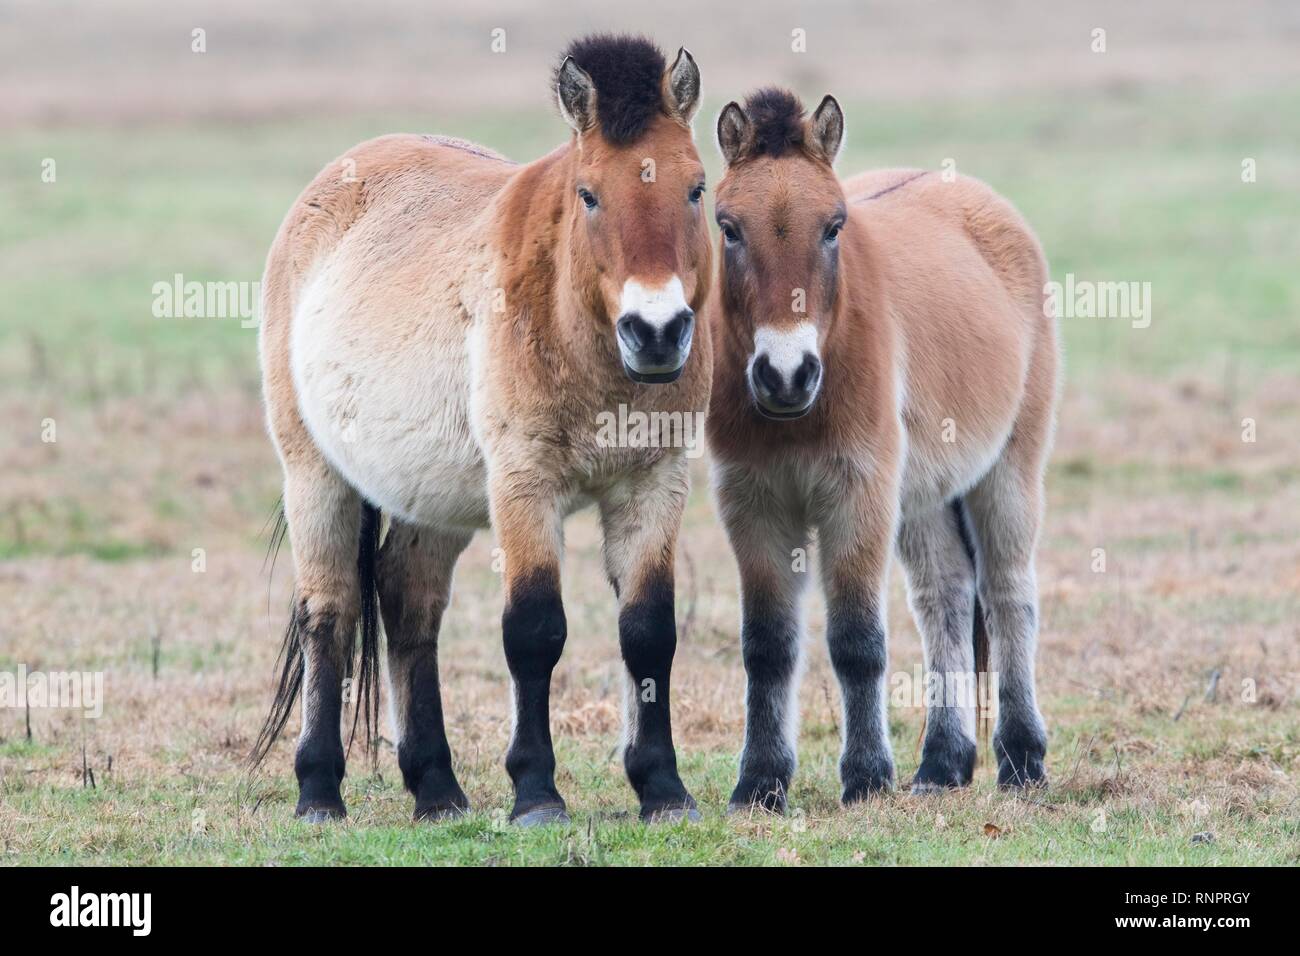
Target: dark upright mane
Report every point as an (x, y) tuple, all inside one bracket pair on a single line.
[(627, 72), (777, 119)]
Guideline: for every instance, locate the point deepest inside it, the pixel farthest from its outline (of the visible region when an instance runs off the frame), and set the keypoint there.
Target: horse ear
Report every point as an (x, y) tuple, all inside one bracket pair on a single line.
[(682, 87), (576, 94), (733, 132), (826, 128)]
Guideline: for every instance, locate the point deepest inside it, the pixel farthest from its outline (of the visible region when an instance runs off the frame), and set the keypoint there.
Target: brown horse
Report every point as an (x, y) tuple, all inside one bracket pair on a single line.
[(442, 331), (884, 374)]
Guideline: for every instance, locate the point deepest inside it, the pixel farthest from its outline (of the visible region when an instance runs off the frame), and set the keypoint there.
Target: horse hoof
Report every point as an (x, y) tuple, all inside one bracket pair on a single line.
[(319, 815), (1028, 774), (946, 764), (926, 788), (1020, 751), (741, 808), (541, 816), (674, 815), (852, 796), (763, 793)]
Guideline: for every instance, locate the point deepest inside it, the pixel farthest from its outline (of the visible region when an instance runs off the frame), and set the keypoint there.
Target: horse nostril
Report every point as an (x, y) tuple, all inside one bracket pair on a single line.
[(765, 375), (678, 330), (807, 374), (634, 331)]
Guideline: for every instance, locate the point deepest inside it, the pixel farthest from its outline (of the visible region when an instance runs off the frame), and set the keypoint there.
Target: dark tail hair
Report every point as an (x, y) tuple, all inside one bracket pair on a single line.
[(289, 664), (367, 699), (979, 633)]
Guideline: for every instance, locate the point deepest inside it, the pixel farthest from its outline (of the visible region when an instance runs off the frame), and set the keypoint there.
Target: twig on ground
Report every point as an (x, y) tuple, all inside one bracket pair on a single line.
[(87, 775), (1078, 760), (830, 706), (1212, 690)]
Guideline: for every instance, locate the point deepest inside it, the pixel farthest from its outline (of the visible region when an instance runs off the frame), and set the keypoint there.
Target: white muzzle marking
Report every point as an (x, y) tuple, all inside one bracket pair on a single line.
[(785, 348), (655, 306), (649, 315), (784, 371)]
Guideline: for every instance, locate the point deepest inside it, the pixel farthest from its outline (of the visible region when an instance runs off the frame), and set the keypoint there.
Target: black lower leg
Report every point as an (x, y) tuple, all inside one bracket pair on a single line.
[(424, 755), (948, 754), (648, 638), (856, 637), (951, 700), (319, 759), (770, 648), (1020, 742), (534, 631)]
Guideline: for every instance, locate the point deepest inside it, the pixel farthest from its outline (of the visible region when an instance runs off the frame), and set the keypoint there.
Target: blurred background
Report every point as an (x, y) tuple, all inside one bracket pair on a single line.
[(1163, 149)]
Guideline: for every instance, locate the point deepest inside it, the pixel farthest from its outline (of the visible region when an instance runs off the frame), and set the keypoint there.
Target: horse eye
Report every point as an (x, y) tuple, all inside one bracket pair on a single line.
[(729, 232), (588, 199), (833, 232), (697, 194)]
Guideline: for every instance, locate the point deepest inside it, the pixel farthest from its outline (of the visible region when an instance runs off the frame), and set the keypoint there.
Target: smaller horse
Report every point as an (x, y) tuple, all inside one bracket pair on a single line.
[(884, 374)]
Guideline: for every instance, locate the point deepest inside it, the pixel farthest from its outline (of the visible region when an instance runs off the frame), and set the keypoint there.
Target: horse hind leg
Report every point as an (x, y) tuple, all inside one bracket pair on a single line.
[(325, 520), (1004, 510), (941, 595), (415, 574)]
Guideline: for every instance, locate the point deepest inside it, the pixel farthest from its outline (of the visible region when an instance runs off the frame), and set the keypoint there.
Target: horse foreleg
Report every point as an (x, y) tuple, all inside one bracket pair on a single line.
[(533, 628), (771, 547), (641, 519), (857, 542)]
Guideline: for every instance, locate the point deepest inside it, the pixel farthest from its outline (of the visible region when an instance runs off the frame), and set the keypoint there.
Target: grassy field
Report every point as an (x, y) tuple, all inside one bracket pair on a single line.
[(1169, 681)]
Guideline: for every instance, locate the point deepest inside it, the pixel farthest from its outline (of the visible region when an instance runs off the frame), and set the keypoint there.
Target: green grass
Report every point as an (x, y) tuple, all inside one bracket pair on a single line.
[(1096, 813)]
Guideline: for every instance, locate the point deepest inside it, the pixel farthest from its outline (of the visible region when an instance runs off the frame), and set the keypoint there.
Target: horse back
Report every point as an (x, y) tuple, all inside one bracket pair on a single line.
[(371, 253), (965, 279), (961, 207)]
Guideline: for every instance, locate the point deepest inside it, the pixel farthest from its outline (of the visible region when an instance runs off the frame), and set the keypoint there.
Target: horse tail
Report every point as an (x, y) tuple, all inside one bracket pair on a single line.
[(979, 632), (367, 686)]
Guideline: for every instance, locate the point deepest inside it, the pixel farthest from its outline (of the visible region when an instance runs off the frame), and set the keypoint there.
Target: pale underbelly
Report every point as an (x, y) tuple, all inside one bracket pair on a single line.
[(938, 472), (396, 424), (423, 467), (393, 421)]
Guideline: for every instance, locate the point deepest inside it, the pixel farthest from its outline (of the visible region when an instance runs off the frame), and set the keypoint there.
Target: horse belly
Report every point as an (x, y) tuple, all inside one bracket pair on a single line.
[(968, 356), (938, 472), (388, 405), (957, 432)]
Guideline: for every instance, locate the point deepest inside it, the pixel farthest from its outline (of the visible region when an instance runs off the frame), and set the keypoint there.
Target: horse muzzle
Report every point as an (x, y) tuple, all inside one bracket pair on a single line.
[(655, 354), (785, 373)]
